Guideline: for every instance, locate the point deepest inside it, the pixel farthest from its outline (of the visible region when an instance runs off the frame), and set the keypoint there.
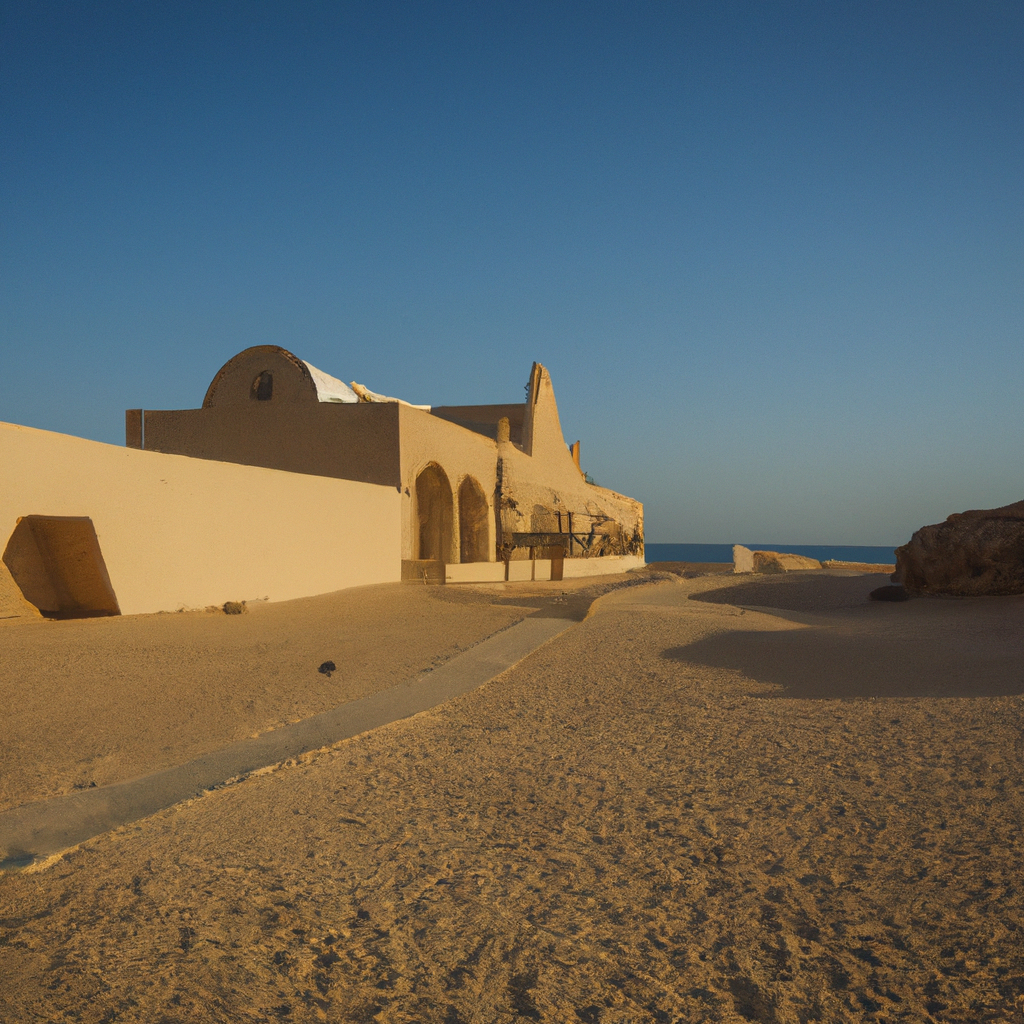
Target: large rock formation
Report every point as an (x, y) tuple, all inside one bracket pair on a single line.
[(745, 560), (969, 555)]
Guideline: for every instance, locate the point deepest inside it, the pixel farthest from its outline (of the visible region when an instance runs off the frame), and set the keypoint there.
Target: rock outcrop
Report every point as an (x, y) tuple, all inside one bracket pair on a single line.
[(745, 560), (971, 554), (777, 561)]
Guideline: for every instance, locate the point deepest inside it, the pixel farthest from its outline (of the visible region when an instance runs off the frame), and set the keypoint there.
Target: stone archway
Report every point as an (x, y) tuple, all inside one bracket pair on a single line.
[(473, 521), (434, 514)]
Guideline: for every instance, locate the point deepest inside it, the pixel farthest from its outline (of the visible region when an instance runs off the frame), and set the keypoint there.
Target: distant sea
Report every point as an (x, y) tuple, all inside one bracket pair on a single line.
[(723, 552)]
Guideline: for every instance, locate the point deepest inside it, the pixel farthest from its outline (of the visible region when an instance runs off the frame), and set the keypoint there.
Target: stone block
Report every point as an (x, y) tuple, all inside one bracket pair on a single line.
[(742, 559)]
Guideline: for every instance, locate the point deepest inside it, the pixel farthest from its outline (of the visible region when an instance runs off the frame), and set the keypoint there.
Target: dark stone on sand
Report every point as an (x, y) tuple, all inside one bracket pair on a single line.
[(971, 554), (893, 593), (327, 668), (234, 607)]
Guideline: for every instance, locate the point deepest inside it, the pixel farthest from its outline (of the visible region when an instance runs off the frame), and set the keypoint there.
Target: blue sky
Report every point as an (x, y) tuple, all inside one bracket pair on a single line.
[(772, 253)]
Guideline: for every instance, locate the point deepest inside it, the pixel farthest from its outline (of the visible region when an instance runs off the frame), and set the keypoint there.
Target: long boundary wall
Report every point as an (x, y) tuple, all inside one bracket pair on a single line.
[(180, 532), (540, 569)]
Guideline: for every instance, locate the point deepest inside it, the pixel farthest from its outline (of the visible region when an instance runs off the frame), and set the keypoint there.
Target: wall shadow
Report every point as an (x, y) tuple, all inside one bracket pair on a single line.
[(58, 566), (798, 592), (843, 663)]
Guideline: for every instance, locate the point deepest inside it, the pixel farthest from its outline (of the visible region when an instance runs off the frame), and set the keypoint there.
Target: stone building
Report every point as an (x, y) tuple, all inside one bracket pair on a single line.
[(493, 484)]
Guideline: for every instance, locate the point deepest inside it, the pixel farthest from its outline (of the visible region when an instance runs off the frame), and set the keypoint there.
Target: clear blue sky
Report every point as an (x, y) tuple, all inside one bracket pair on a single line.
[(772, 253)]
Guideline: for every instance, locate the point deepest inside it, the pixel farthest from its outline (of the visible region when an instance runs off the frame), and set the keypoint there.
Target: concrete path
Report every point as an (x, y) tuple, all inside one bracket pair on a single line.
[(39, 829)]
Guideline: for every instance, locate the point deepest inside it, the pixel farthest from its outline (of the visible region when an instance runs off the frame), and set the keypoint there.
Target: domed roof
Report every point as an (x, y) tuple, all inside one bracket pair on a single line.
[(272, 373)]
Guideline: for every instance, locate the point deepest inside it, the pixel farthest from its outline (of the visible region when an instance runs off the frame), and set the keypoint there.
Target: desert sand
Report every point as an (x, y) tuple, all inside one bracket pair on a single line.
[(716, 798)]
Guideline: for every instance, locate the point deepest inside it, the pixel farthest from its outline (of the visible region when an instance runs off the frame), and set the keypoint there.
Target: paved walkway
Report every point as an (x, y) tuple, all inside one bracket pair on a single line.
[(46, 827)]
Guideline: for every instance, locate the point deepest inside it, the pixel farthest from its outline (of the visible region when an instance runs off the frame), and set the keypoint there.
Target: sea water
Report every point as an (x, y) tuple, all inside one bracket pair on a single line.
[(723, 552)]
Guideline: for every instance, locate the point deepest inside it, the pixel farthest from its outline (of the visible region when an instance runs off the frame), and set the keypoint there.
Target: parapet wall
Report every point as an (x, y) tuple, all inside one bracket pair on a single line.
[(351, 442), (177, 532)]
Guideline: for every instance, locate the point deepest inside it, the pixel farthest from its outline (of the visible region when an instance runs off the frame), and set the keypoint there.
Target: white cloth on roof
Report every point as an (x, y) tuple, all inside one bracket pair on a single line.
[(330, 389)]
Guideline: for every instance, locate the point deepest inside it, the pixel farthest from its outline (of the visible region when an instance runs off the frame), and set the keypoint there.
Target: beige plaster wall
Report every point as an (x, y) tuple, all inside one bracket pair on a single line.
[(179, 532), (484, 418), (538, 475), (459, 452), (351, 442), (574, 568), (540, 569)]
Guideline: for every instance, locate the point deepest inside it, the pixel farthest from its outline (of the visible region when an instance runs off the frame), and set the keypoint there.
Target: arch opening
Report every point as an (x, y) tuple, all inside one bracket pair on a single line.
[(434, 511), (263, 387), (472, 522)]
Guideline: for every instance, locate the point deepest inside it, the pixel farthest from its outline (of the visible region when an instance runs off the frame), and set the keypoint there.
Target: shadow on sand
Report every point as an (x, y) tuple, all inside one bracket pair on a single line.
[(798, 592), (850, 648)]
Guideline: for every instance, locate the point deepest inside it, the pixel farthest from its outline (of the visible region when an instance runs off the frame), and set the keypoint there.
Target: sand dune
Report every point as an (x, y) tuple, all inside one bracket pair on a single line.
[(793, 806)]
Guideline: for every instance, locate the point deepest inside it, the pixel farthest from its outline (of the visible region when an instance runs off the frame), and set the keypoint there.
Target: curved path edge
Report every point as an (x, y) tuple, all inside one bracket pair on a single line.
[(37, 830)]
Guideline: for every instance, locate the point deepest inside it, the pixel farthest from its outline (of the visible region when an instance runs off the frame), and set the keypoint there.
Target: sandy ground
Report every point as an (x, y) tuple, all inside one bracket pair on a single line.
[(777, 802), (116, 698)]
